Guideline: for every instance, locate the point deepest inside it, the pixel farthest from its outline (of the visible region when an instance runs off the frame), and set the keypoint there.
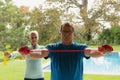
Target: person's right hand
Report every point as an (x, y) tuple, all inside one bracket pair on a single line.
[(24, 50), (6, 54)]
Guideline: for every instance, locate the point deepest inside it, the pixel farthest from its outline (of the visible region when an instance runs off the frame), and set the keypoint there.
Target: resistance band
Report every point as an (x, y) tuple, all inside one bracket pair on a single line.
[(26, 50)]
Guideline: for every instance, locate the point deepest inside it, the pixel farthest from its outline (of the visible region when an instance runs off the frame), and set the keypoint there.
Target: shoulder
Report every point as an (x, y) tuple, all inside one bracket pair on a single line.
[(41, 46), (54, 44), (79, 45)]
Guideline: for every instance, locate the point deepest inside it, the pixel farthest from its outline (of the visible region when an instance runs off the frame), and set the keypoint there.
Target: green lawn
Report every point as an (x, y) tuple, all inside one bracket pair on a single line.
[(92, 77), (14, 70)]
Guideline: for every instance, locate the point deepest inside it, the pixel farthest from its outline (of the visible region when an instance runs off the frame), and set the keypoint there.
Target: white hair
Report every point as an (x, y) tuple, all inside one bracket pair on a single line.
[(35, 32)]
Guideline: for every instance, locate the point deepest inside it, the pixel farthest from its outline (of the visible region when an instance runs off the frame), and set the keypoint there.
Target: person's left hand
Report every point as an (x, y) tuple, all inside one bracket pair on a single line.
[(105, 49)]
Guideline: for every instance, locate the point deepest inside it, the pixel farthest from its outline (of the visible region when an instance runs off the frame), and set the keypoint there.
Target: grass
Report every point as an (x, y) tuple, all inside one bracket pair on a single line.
[(116, 48), (92, 77), (101, 77), (14, 70)]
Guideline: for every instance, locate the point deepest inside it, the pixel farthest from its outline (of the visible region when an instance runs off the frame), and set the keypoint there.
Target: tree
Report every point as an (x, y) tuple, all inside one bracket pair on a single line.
[(93, 19), (46, 22), (115, 32), (110, 36), (105, 37), (12, 25)]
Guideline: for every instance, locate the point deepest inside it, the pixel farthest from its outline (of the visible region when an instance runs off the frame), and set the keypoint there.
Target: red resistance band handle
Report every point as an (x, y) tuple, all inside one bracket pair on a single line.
[(26, 50), (105, 47)]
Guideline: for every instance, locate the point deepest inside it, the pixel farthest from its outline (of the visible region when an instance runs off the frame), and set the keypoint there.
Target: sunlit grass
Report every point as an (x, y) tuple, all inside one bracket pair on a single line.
[(14, 70), (92, 77)]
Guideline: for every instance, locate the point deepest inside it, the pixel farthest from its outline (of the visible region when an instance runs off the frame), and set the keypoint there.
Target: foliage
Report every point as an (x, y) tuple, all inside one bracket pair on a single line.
[(47, 23), (110, 36), (91, 19), (11, 25), (115, 32), (15, 25)]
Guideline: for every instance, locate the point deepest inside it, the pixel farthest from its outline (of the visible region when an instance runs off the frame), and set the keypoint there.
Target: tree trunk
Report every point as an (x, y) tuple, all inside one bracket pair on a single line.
[(84, 15)]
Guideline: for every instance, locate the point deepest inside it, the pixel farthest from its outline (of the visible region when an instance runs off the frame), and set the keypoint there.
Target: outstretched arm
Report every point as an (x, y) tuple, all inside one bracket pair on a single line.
[(38, 53), (98, 52), (10, 55)]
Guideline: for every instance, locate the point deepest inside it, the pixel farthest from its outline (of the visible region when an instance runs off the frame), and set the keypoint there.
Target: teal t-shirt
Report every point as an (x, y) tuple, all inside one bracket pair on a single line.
[(66, 65)]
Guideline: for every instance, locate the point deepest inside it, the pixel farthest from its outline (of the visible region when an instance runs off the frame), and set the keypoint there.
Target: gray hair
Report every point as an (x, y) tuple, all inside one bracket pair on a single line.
[(35, 32)]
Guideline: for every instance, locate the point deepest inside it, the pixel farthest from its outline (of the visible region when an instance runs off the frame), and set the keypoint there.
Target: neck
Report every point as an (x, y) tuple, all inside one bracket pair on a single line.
[(34, 46), (67, 43)]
